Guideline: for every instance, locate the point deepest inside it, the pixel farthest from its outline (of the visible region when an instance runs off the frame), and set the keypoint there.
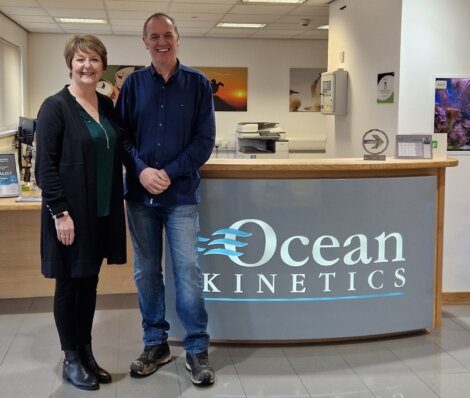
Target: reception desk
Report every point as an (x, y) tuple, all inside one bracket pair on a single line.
[(320, 249), (291, 249), (20, 260)]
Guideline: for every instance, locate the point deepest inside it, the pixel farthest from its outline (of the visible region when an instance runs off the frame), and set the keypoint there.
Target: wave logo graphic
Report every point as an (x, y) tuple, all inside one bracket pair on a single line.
[(231, 246), (230, 243)]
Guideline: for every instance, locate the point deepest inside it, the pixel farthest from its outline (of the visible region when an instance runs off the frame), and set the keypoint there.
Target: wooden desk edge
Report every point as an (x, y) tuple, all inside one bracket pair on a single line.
[(296, 168), (342, 164)]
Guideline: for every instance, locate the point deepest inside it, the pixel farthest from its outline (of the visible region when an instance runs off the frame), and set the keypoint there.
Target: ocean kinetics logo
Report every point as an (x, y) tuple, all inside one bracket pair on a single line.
[(248, 262), (229, 242)]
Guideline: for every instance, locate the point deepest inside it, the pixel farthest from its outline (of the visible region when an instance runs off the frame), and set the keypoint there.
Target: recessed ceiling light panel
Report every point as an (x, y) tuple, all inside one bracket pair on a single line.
[(323, 27), (275, 1), (80, 20), (241, 25)]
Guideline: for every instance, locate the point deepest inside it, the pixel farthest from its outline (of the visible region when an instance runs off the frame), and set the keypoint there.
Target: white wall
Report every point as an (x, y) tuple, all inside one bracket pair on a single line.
[(456, 275), (268, 63), (435, 37), (369, 34), (12, 33)]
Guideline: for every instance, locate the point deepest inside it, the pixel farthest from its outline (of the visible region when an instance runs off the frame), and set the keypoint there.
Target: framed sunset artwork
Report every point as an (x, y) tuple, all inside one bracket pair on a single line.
[(229, 87)]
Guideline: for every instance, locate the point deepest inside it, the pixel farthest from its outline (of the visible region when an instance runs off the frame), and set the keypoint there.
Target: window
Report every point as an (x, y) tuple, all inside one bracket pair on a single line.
[(11, 92)]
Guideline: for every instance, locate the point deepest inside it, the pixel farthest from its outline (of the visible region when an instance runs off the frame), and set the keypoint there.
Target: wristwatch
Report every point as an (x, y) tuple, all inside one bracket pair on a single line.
[(60, 215)]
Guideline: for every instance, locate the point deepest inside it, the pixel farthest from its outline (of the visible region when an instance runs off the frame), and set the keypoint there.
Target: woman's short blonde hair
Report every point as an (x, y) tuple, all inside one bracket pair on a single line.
[(86, 44)]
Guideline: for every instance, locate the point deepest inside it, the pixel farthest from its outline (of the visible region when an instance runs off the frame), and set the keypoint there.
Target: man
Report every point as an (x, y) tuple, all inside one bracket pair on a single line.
[(167, 114)]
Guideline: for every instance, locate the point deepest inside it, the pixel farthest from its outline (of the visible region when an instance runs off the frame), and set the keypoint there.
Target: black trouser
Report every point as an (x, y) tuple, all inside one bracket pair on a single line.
[(75, 299), (74, 308)]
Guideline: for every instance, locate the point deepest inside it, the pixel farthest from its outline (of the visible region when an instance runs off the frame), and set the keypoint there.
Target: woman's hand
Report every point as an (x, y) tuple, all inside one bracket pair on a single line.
[(65, 230)]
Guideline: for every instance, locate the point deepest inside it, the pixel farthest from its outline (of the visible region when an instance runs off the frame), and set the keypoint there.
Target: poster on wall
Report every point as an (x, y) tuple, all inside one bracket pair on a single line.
[(113, 78), (385, 88), (229, 87), (452, 111), (8, 175), (304, 92)]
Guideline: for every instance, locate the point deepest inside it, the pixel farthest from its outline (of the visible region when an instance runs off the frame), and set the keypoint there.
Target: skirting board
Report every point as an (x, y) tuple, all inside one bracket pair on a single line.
[(456, 298)]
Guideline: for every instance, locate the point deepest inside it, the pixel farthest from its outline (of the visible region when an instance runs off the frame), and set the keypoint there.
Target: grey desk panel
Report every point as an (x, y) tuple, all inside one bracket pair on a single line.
[(315, 259)]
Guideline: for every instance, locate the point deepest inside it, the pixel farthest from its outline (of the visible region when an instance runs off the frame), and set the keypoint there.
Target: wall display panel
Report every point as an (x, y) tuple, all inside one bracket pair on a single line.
[(304, 90), (113, 78), (229, 87), (452, 111), (9, 181), (386, 88)]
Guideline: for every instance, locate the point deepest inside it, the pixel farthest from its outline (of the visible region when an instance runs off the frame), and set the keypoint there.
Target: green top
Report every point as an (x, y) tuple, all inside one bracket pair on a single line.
[(104, 138)]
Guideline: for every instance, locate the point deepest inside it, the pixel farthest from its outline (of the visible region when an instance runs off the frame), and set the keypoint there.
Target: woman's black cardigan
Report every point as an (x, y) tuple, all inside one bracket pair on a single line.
[(66, 173)]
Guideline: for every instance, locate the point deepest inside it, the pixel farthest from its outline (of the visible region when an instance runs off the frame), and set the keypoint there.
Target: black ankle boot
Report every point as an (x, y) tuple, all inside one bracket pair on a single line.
[(77, 374), (89, 361)]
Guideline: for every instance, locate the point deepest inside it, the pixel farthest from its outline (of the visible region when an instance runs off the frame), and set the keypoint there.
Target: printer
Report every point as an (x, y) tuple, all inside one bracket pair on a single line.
[(261, 140)]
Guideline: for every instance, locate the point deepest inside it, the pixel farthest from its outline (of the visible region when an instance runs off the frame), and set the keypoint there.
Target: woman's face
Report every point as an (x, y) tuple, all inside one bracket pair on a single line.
[(87, 68)]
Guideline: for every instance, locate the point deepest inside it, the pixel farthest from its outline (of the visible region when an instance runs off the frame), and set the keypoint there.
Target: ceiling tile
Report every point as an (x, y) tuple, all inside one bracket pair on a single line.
[(199, 8), (22, 10), (77, 13), (221, 32), (286, 26), (127, 22), (91, 28), (316, 2), (314, 34), (227, 36), (208, 1), (249, 18), (123, 28), (295, 19), (91, 4), (42, 27), (125, 33), (153, 7), (193, 17), (196, 24), (310, 11), (19, 3), (261, 9), (23, 19), (181, 16), (193, 31), (277, 33), (129, 14)]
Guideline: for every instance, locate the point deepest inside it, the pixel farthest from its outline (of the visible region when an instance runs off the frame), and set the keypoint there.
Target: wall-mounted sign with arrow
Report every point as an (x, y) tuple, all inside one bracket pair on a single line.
[(374, 142)]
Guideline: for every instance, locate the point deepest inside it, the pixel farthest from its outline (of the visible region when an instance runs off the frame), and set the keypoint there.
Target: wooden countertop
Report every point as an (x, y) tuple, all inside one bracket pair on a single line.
[(320, 168), (295, 168), (326, 164), (8, 204)]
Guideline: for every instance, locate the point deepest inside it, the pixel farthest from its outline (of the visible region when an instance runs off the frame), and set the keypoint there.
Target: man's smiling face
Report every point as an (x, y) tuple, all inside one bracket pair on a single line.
[(162, 41)]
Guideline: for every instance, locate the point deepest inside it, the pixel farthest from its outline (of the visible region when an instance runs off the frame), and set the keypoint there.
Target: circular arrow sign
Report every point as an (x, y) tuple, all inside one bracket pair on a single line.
[(375, 141)]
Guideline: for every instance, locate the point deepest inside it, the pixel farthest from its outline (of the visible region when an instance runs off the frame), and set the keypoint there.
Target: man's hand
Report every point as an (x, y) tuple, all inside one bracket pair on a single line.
[(153, 180)]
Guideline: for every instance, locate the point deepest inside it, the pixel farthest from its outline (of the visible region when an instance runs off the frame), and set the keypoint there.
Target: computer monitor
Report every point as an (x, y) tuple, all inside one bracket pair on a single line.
[(25, 138), (26, 129)]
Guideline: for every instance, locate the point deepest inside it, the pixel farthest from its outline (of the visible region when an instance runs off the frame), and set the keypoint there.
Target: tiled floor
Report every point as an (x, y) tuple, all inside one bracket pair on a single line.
[(435, 364)]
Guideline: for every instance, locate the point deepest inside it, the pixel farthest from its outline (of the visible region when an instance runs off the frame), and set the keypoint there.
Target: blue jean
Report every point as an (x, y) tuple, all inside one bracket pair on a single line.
[(182, 226)]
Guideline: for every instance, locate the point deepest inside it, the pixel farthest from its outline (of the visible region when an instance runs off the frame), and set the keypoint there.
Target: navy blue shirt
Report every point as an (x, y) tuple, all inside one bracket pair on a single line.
[(166, 125)]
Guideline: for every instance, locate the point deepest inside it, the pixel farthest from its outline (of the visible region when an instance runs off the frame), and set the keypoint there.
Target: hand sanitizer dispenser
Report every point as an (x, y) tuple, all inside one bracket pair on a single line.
[(334, 92)]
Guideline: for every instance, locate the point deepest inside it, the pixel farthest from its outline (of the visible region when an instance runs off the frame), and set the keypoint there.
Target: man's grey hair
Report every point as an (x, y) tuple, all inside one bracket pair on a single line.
[(159, 15)]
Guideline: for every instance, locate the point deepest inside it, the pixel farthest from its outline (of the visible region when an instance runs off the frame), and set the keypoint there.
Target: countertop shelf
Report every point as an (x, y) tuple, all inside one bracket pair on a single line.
[(326, 164), (321, 168), (292, 168)]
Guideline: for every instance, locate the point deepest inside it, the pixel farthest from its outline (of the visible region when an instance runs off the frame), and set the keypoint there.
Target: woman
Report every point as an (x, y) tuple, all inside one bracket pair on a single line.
[(78, 168)]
